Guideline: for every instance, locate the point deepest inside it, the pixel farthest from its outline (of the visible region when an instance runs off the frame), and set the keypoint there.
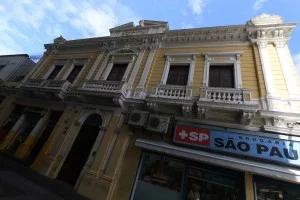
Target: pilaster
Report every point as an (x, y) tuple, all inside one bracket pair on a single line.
[(102, 67), (140, 89), (94, 67)]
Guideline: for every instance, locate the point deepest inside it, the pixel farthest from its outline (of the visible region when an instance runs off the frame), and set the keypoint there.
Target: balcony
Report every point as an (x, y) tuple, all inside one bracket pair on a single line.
[(33, 83), (173, 99), (233, 103), (108, 87), (173, 92), (225, 95), (47, 89), (102, 92)]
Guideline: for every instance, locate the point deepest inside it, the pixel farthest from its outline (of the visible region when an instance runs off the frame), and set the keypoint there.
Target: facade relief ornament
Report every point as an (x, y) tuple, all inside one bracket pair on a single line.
[(278, 122), (202, 113), (265, 19), (247, 118), (262, 44), (280, 43), (187, 110)]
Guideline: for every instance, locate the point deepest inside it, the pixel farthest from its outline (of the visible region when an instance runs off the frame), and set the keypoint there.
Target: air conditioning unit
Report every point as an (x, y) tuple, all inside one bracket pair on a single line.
[(158, 123), (138, 118)]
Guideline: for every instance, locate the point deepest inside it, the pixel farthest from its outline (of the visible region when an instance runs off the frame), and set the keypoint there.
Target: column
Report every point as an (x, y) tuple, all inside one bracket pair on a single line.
[(12, 133), (102, 67), (267, 71), (26, 147), (92, 70), (286, 68), (136, 67), (249, 186)]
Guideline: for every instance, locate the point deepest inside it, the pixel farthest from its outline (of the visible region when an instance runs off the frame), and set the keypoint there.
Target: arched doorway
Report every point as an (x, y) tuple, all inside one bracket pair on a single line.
[(80, 150)]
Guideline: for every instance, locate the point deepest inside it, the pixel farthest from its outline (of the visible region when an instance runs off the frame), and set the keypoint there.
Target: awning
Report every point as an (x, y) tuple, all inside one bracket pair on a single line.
[(276, 171)]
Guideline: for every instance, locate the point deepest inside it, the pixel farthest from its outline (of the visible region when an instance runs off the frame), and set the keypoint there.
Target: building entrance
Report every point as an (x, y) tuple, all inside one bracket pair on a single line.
[(80, 150)]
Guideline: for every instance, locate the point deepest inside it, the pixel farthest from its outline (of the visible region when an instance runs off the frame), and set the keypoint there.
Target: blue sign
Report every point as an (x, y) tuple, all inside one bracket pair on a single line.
[(279, 150)]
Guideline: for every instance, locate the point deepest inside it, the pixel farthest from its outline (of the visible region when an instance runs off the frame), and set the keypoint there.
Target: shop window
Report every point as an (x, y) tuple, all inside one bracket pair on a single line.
[(178, 75), (117, 72), (213, 183), (271, 189), (221, 76), (160, 177), (74, 73), (55, 71)]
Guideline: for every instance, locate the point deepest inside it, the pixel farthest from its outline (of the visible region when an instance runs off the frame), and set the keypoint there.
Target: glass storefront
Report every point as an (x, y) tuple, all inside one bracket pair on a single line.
[(272, 189), (162, 177)]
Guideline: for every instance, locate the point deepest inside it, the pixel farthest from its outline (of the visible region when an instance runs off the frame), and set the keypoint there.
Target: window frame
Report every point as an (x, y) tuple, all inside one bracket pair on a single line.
[(223, 58), (179, 59), (56, 62), (78, 74), (223, 65), (70, 67), (114, 60), (52, 70), (118, 63), (178, 65)]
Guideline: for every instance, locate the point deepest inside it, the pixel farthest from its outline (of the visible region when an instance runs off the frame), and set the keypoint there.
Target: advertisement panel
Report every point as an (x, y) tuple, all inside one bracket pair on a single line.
[(284, 151)]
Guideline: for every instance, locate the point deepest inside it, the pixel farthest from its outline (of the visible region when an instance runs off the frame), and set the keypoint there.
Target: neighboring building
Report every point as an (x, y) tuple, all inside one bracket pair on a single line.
[(13, 70), (153, 113), (15, 67)]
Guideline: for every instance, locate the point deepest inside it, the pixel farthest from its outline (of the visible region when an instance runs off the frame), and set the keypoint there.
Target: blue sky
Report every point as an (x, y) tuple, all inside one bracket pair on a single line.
[(26, 25)]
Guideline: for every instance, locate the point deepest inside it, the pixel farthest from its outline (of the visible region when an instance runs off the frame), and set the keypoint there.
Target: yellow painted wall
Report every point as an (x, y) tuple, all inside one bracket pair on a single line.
[(248, 69), (278, 77), (128, 171)]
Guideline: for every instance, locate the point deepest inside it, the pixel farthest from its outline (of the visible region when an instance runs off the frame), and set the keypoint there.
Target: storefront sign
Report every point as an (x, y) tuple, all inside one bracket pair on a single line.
[(284, 151)]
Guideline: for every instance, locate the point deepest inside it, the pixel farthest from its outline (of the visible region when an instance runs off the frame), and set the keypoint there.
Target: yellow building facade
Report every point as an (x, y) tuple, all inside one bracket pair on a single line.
[(153, 113)]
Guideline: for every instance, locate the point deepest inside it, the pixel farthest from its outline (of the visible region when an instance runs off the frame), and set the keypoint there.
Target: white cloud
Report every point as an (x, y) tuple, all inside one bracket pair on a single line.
[(296, 59), (258, 4), (48, 19), (197, 6)]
